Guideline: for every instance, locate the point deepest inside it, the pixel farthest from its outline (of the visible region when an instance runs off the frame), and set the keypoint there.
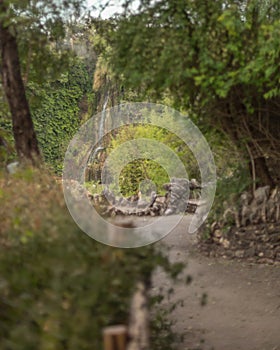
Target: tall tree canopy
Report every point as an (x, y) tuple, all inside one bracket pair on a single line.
[(29, 32), (219, 59)]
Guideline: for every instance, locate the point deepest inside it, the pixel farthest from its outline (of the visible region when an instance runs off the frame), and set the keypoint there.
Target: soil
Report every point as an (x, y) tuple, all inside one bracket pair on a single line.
[(242, 310)]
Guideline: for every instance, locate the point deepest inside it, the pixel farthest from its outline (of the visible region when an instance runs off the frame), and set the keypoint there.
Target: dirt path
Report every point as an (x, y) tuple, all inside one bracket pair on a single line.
[(243, 300)]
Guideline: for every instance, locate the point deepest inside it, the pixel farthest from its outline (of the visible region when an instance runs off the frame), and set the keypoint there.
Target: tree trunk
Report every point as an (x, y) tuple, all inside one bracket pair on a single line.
[(263, 176), (23, 129)]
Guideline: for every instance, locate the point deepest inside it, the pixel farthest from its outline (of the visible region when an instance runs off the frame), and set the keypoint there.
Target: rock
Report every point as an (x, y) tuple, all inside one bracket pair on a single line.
[(225, 243), (169, 211), (239, 254), (161, 200), (12, 167), (123, 202), (260, 238), (153, 198), (274, 237), (142, 204), (175, 201), (109, 196), (178, 190), (194, 184), (167, 186), (217, 233), (269, 254), (266, 261), (191, 207), (155, 210), (250, 252), (90, 196)]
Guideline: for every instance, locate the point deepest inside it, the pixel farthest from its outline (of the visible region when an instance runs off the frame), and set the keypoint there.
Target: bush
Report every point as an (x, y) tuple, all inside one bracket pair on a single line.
[(143, 168), (59, 287), (229, 189)]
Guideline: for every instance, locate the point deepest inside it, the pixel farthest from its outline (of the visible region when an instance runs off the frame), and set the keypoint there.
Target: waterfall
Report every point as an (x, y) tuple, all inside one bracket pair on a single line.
[(102, 120), (94, 153)]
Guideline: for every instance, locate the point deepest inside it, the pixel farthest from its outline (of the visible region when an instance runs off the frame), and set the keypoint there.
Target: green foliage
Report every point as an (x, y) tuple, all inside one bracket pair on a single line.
[(40, 30), (173, 52), (145, 169), (7, 151), (59, 287), (56, 111), (55, 107), (54, 79), (217, 59), (161, 324), (135, 175), (93, 187), (229, 189)]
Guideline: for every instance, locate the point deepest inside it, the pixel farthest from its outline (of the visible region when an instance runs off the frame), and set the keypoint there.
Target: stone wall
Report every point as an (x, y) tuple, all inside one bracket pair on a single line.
[(259, 243), (249, 230), (176, 200)]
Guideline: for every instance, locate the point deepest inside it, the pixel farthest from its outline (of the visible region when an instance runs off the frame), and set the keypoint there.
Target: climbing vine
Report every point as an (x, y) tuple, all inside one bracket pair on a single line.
[(56, 111)]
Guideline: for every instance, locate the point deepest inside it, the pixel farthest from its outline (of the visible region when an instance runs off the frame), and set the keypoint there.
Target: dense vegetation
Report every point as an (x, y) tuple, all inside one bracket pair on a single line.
[(58, 287), (217, 61), (57, 115), (141, 171)]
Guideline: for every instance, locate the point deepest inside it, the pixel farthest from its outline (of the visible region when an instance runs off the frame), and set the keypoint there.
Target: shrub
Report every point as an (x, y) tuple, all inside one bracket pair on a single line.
[(59, 287)]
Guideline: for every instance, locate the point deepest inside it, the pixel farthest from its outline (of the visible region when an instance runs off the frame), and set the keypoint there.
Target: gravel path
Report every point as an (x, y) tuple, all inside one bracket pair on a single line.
[(243, 300)]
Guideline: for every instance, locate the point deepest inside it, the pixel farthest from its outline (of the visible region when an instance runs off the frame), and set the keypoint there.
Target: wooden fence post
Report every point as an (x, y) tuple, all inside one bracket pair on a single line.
[(136, 335), (115, 337), (138, 329)]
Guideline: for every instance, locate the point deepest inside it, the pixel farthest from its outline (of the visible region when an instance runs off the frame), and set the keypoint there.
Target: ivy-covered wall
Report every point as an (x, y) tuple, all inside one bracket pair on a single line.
[(56, 113)]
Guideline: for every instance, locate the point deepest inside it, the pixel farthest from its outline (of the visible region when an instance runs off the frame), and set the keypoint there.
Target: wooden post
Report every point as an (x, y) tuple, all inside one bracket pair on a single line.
[(115, 337), (138, 329)]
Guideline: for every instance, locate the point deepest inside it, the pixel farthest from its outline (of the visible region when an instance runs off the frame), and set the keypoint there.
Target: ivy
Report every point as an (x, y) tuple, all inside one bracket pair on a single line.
[(56, 112)]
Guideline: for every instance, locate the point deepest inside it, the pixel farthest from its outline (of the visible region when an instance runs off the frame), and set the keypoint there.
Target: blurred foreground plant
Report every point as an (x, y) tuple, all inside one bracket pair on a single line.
[(58, 287)]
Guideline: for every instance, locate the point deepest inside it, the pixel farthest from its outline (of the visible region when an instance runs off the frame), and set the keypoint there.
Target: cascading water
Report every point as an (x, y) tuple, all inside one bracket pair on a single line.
[(98, 149), (103, 115)]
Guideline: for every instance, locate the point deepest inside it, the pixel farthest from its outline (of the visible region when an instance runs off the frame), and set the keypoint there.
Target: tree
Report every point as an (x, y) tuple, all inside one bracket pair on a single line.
[(219, 60), (31, 34), (24, 134)]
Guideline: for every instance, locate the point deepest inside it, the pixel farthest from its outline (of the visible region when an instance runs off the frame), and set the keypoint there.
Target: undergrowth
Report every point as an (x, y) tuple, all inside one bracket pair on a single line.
[(58, 287)]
